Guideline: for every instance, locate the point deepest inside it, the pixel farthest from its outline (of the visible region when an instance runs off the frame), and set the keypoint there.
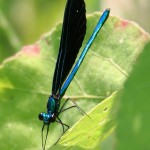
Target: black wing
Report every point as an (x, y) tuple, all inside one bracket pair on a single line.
[(73, 32)]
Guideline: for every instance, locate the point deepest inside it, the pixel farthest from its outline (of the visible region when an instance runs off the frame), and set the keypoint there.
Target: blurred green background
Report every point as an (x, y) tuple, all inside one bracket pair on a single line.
[(23, 22)]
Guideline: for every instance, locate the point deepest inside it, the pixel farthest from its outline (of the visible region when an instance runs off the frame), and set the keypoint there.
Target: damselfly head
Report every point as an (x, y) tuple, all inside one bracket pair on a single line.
[(47, 118), (44, 117)]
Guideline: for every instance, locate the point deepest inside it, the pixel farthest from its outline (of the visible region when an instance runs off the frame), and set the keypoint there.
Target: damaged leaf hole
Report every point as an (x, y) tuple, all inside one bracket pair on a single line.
[(106, 108)]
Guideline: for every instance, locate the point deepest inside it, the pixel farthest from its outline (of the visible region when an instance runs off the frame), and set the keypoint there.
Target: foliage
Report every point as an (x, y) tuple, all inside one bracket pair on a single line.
[(26, 77)]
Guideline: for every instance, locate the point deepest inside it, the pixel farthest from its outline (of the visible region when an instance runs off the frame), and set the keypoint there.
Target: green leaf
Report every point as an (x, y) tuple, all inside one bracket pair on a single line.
[(133, 117), (26, 78), (102, 121)]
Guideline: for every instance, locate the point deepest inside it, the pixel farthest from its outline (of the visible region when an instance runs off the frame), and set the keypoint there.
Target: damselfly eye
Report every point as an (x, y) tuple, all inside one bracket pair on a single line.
[(41, 116)]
